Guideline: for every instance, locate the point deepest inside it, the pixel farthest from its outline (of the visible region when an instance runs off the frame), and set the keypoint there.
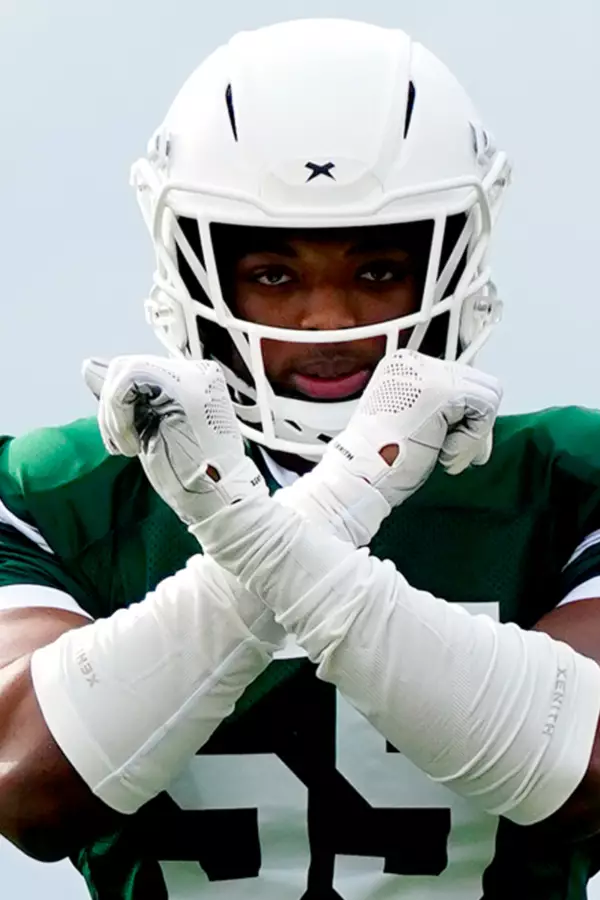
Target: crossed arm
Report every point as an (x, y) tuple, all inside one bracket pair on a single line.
[(353, 619)]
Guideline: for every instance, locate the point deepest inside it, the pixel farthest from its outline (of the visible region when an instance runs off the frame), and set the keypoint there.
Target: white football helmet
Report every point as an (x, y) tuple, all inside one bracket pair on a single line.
[(244, 143)]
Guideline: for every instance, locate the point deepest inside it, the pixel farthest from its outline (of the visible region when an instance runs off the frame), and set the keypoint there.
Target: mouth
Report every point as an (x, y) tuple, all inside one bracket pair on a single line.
[(339, 388)]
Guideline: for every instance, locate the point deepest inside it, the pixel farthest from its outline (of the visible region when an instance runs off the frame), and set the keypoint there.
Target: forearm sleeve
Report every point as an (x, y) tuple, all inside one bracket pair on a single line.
[(502, 716), (130, 699)]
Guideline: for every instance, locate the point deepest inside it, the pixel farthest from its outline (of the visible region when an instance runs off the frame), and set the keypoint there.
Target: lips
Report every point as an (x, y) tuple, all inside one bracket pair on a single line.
[(337, 388)]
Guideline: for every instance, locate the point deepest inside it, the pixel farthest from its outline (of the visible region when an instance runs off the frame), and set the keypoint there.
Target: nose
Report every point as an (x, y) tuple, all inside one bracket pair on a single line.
[(327, 309)]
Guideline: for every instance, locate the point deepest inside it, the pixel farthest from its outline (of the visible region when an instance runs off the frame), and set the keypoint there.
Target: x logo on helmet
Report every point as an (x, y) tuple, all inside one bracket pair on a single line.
[(316, 170)]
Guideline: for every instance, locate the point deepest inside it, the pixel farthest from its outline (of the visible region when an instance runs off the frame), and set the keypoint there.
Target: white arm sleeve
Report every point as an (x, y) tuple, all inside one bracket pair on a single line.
[(502, 716), (130, 699)]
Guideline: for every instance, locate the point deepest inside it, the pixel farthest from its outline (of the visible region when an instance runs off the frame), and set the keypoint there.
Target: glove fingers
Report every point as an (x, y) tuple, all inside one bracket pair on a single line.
[(470, 441), (118, 430), (122, 416), (462, 449), (133, 382), (477, 381)]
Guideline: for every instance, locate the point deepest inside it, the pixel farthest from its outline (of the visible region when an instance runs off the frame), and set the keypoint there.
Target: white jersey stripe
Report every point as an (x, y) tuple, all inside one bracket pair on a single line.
[(24, 596), (592, 539), (29, 531), (584, 591)]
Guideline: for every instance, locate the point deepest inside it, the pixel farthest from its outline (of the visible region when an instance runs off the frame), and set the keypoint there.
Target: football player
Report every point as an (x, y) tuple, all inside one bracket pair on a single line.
[(321, 197)]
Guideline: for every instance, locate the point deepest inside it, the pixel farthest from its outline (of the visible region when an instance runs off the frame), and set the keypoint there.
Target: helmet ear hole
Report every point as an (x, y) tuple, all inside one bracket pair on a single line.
[(167, 318), (467, 328), (480, 311)]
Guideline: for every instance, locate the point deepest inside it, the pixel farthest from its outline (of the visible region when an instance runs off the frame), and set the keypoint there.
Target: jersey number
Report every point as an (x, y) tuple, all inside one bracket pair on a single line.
[(310, 801)]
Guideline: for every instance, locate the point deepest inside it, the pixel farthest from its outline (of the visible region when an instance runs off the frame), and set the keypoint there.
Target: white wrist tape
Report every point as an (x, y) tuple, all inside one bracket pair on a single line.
[(502, 716), (130, 699)]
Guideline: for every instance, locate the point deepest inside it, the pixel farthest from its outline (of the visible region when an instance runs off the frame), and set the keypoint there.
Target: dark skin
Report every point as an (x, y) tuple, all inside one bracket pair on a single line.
[(45, 807), (324, 284)]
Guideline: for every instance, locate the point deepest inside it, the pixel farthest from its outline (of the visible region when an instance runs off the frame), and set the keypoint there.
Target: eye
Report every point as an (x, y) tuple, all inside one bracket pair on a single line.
[(377, 276), (383, 272), (271, 277)]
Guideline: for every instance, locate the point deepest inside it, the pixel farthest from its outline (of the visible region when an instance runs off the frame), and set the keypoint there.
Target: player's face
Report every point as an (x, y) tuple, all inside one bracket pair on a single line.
[(357, 277)]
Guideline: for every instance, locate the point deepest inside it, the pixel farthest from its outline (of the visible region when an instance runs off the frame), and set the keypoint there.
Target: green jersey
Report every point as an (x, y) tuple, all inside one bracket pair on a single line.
[(295, 795)]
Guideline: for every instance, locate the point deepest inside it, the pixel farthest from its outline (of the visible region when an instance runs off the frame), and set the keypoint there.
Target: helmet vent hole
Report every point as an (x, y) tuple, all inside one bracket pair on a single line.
[(410, 103), (231, 110)]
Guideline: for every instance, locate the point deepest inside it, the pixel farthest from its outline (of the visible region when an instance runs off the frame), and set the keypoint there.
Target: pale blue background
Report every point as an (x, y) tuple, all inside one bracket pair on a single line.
[(83, 84)]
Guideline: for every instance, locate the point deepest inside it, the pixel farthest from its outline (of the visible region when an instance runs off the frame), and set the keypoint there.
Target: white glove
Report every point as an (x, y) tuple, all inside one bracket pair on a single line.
[(177, 417), (420, 409)]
